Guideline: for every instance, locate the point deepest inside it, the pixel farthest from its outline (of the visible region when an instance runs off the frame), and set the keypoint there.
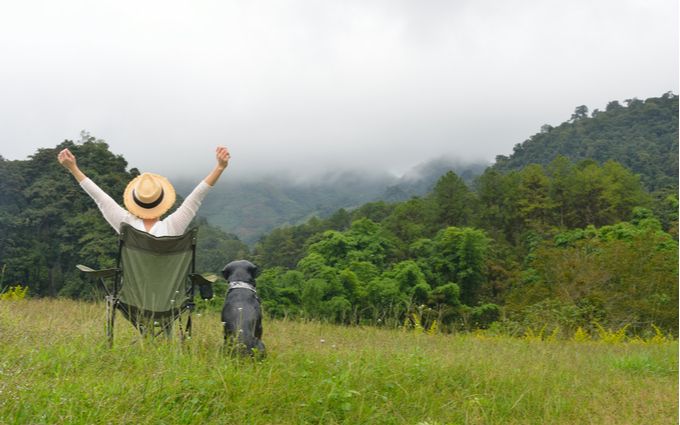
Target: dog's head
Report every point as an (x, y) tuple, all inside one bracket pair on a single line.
[(241, 271)]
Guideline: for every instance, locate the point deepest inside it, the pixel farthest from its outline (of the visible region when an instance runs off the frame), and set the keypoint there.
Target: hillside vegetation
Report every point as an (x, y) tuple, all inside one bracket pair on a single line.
[(642, 136), (561, 244), (56, 369), (564, 245)]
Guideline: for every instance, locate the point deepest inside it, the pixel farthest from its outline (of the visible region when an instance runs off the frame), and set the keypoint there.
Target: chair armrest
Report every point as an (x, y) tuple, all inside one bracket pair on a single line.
[(103, 273), (204, 284), (199, 279)]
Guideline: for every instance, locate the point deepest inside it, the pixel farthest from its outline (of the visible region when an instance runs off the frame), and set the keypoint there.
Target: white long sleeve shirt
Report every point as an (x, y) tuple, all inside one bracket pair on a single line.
[(173, 225)]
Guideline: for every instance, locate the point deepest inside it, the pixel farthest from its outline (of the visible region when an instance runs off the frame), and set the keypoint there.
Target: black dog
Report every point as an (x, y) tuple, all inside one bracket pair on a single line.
[(241, 314)]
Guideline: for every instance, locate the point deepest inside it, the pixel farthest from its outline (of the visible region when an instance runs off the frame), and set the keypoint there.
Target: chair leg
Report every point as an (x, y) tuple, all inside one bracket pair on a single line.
[(110, 319), (184, 332), (180, 329), (167, 327)]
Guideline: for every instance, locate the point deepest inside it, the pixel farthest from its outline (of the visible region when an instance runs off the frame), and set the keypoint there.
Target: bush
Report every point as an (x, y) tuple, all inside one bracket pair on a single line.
[(14, 293), (484, 315)]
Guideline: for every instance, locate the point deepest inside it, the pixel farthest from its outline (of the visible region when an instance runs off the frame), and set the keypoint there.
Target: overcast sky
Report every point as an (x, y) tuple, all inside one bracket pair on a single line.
[(301, 86)]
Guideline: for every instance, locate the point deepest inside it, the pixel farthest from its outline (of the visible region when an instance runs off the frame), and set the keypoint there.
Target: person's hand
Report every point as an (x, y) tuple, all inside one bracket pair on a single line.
[(222, 155), (67, 159)]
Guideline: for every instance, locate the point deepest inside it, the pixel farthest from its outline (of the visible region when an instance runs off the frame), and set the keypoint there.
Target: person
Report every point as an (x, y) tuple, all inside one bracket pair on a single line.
[(147, 197)]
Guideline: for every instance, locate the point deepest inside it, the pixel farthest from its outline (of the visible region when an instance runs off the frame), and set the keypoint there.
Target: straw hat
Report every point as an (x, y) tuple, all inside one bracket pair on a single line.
[(149, 196)]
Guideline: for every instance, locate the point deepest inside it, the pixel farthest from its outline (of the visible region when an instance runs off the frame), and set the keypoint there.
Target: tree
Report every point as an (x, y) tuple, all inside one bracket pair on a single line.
[(642, 136), (498, 196), (623, 274), (375, 211), (613, 106), (278, 249), (340, 220), (484, 315), (453, 202), (281, 291), (603, 195), (408, 275), (535, 204), (445, 300), (45, 244), (412, 220), (371, 242), (622, 192), (313, 293), (333, 247), (385, 301), (461, 259), (562, 176), (580, 112)]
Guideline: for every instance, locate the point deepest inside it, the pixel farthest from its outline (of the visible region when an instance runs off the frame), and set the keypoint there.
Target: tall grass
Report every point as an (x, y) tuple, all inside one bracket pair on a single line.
[(55, 368)]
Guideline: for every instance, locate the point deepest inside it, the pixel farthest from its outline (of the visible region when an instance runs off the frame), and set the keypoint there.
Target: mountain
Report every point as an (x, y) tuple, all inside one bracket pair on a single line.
[(421, 179), (642, 135), (252, 208), (555, 237)]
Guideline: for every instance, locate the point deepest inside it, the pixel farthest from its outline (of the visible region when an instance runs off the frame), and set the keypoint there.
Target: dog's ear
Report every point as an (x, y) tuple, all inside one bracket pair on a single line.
[(254, 271), (226, 271)]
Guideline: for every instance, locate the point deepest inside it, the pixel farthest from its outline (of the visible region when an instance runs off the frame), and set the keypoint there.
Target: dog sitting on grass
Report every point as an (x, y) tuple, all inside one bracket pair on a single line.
[(241, 313)]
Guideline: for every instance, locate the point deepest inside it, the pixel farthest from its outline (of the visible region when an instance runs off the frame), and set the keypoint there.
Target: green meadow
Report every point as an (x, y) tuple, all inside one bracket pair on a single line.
[(55, 368)]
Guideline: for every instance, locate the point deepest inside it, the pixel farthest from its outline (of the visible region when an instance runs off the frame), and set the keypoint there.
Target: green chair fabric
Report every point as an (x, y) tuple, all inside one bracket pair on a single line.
[(154, 281), (155, 270)]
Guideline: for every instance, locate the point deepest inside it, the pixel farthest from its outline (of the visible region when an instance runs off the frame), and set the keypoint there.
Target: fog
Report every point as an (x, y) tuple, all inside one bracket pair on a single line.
[(299, 88)]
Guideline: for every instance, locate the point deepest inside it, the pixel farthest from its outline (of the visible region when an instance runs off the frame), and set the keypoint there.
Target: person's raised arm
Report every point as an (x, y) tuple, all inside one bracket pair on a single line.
[(112, 212), (178, 221), (222, 155), (68, 160)]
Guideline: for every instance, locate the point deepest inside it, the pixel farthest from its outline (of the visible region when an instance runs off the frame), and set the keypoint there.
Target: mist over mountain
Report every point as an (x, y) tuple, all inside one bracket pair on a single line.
[(642, 135), (421, 179), (251, 207)]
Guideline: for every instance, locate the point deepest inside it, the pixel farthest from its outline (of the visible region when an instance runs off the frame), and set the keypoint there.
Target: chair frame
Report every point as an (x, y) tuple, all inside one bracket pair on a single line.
[(113, 301)]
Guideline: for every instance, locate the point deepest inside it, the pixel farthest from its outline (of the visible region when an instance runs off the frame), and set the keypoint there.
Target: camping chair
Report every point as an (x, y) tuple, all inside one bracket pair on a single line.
[(153, 282)]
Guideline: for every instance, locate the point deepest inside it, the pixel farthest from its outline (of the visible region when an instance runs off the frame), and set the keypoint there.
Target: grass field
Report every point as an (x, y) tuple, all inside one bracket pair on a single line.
[(56, 369)]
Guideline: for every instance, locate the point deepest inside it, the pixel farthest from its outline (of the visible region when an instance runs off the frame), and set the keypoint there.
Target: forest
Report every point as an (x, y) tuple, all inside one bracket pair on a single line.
[(578, 228)]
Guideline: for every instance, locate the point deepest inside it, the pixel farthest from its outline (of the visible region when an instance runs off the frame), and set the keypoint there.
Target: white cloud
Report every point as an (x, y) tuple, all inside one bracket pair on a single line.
[(311, 85)]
